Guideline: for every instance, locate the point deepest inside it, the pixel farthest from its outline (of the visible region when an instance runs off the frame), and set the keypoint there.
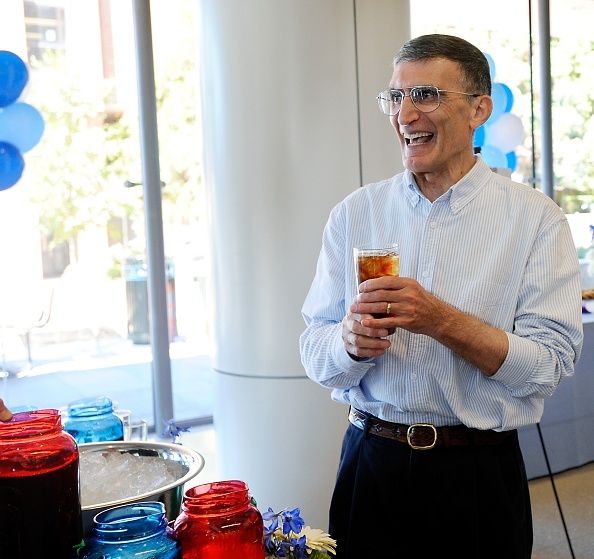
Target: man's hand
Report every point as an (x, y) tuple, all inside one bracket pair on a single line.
[(363, 341), (415, 309), (410, 305), (5, 413)]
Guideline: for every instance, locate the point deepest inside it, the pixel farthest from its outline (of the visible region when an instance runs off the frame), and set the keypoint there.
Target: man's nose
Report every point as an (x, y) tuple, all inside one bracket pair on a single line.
[(408, 112)]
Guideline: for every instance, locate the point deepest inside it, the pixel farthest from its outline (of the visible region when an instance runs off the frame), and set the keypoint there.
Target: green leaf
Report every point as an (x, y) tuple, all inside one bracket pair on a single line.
[(78, 547)]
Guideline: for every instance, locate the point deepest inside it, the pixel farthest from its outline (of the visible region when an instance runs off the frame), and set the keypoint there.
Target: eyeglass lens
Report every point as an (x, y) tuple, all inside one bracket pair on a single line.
[(424, 98)]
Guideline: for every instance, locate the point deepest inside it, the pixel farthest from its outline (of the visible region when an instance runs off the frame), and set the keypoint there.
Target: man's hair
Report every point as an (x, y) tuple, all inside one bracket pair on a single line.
[(473, 63)]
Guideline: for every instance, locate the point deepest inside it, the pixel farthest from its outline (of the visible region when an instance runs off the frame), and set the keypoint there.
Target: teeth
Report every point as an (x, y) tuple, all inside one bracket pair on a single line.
[(416, 135)]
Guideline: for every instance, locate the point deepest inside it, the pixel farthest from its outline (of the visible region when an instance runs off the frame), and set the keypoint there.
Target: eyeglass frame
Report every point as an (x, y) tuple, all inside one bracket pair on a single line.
[(439, 91)]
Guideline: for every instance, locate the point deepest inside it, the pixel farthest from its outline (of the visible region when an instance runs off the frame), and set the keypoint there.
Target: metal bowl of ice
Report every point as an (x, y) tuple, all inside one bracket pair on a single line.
[(122, 472)]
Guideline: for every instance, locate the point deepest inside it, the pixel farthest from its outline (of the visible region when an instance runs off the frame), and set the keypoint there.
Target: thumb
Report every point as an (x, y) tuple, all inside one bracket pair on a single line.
[(5, 413)]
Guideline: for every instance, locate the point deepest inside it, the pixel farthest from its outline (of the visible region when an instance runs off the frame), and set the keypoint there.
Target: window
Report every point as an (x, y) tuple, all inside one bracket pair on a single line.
[(508, 31), (78, 211), (45, 29)]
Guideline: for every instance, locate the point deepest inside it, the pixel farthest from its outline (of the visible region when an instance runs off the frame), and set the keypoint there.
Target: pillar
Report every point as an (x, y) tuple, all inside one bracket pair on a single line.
[(291, 126)]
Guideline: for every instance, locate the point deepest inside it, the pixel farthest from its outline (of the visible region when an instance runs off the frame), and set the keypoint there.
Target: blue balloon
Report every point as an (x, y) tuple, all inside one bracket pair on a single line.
[(12, 165), (491, 65), (13, 77), (21, 125), (493, 157), (509, 98), (500, 101), (479, 136), (512, 160)]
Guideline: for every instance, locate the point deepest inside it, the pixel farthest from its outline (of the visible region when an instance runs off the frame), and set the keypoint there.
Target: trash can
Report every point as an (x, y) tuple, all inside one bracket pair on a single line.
[(136, 275)]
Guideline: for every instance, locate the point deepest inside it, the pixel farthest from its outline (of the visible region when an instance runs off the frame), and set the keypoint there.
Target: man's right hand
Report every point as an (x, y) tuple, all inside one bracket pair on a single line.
[(361, 341)]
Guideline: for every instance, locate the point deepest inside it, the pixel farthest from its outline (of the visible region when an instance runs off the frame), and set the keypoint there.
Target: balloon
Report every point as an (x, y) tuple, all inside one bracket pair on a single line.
[(479, 136), (509, 98), (506, 133), (13, 77), (493, 156), (491, 65), (21, 125), (11, 165), (512, 160), (500, 101)]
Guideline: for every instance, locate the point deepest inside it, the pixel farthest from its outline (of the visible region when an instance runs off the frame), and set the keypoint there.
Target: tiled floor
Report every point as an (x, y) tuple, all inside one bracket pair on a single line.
[(575, 491)]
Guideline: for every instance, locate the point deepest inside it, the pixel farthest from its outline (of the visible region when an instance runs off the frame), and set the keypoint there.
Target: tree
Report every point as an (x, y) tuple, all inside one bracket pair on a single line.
[(91, 148)]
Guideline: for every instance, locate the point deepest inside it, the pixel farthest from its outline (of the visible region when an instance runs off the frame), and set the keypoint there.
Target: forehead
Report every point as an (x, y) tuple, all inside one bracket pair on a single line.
[(440, 72)]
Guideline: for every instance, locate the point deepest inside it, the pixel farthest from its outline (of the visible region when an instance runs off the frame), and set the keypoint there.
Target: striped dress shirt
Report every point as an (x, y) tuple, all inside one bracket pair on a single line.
[(495, 249)]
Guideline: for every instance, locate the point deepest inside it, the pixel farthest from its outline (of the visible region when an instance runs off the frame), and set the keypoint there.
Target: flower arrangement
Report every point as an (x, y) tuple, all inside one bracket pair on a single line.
[(173, 430), (286, 535)]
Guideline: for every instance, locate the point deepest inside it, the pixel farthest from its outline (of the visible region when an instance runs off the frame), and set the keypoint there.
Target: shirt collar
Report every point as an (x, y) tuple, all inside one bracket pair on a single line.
[(458, 194)]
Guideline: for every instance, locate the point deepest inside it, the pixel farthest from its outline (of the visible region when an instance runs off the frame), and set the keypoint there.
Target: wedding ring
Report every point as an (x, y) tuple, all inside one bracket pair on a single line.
[(388, 308)]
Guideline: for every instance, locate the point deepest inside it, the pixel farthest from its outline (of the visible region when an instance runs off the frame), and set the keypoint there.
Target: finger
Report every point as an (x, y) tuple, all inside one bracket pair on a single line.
[(383, 282), (359, 326), (365, 352), (373, 308), (364, 345), (5, 413)]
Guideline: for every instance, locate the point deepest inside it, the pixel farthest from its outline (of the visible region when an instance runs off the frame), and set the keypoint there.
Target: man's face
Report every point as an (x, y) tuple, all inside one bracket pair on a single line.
[(440, 142)]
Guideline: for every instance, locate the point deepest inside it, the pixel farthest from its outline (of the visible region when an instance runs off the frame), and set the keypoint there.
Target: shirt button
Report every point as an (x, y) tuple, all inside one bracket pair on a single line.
[(433, 225), (425, 274)]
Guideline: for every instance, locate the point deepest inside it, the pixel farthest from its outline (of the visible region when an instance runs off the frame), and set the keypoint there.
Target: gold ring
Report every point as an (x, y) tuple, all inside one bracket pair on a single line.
[(388, 308)]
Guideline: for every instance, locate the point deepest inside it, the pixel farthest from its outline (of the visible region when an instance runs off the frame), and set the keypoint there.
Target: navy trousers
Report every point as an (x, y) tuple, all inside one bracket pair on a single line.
[(468, 502)]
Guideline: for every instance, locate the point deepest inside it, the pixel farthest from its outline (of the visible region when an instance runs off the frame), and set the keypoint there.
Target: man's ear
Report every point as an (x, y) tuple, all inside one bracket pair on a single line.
[(482, 111)]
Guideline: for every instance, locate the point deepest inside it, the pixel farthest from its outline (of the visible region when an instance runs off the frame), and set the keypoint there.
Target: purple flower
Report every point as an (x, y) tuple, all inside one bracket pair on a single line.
[(173, 430), (269, 515), (292, 521), (299, 547), (272, 517), (284, 549)]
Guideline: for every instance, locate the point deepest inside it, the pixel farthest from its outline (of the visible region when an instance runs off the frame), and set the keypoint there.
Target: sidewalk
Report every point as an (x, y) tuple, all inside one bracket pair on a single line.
[(108, 366)]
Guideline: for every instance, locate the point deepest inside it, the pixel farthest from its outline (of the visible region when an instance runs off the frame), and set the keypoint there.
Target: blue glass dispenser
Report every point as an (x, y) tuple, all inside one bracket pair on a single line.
[(92, 420), (132, 531)]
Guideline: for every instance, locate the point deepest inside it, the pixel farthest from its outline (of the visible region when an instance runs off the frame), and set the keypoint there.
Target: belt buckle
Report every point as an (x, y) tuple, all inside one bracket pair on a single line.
[(409, 435)]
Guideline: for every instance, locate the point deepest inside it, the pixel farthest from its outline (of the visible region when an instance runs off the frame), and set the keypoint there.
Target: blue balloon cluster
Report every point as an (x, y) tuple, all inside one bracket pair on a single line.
[(21, 124), (499, 137)]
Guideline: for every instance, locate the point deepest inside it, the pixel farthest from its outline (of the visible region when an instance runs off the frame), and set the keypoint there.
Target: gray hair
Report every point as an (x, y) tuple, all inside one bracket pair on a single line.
[(473, 63)]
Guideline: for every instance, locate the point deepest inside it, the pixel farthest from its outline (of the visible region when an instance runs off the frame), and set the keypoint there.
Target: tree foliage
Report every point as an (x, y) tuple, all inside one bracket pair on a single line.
[(91, 148)]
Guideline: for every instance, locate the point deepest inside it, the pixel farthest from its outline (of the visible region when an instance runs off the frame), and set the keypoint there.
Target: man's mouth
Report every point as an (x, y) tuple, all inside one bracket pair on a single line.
[(417, 138)]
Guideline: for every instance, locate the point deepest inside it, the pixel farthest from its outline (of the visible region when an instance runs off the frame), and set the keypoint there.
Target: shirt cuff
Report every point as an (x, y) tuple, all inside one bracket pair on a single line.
[(521, 361), (351, 367)]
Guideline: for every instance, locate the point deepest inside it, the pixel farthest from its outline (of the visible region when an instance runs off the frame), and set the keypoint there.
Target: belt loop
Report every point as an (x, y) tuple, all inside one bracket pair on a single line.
[(365, 420), (366, 425)]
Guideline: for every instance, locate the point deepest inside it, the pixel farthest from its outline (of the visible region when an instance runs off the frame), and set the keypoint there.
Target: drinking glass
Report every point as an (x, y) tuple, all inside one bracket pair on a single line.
[(374, 262)]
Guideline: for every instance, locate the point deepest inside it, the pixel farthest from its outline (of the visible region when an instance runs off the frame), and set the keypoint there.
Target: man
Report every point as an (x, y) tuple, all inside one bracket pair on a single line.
[(483, 323)]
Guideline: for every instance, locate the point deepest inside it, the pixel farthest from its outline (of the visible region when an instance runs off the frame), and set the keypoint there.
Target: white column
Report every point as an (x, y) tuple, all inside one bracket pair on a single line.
[(282, 113)]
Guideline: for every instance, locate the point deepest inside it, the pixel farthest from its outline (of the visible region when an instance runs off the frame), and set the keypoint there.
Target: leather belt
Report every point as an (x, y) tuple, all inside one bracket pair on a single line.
[(425, 436)]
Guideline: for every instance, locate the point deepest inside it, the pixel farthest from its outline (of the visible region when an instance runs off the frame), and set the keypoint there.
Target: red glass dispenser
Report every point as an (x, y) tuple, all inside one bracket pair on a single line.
[(40, 510), (219, 521)]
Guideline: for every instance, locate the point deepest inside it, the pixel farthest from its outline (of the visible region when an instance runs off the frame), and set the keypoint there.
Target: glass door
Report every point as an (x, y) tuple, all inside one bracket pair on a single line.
[(75, 319)]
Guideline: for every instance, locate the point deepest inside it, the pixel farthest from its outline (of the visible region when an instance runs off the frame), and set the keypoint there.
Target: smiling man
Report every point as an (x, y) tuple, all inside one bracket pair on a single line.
[(483, 323)]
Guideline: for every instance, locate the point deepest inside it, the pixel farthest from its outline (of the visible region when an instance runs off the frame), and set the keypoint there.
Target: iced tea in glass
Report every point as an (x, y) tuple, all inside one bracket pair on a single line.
[(373, 263)]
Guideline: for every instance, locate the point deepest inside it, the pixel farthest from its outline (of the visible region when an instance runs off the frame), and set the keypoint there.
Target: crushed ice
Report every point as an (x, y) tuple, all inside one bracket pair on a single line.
[(112, 476)]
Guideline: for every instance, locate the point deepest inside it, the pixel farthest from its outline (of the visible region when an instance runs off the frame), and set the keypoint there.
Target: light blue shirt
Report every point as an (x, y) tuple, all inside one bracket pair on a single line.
[(495, 249)]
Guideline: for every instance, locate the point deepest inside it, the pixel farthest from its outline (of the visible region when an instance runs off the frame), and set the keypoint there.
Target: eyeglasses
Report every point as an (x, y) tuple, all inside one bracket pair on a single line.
[(426, 98)]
